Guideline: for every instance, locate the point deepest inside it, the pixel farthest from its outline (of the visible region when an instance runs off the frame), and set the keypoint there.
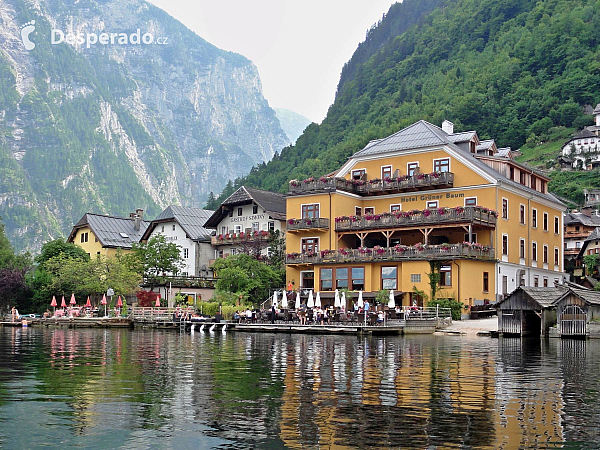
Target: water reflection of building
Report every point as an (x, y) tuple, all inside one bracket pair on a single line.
[(529, 402)]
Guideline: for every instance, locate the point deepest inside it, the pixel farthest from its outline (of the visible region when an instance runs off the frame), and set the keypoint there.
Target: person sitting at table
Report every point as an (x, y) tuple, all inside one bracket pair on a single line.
[(302, 313), (248, 315), (325, 317), (379, 317)]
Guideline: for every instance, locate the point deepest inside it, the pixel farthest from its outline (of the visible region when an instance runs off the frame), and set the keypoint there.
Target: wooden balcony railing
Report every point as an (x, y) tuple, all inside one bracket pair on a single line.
[(396, 253), (439, 216), (307, 224), (404, 184), (373, 187), (321, 185), (239, 238)]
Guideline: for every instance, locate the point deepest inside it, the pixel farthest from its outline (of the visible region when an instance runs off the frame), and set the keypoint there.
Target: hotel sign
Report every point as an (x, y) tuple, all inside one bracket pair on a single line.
[(428, 197), (243, 219)]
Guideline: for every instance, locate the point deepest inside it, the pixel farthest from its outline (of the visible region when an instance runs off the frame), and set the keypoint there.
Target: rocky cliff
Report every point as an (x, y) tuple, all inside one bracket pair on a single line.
[(109, 105)]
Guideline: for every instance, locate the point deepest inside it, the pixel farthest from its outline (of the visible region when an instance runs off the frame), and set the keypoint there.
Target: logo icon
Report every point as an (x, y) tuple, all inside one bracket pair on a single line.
[(26, 30)]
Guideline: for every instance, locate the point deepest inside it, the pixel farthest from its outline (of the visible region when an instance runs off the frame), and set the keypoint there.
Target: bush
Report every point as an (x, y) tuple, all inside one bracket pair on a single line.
[(454, 305), (382, 297)]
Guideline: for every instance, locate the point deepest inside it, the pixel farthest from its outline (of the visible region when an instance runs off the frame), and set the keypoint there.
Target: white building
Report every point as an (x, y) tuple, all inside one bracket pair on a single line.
[(244, 221), (583, 150), (185, 227)]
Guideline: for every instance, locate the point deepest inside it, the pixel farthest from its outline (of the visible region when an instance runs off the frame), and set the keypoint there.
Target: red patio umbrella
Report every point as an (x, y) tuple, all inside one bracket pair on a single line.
[(53, 302), (63, 304), (157, 301), (103, 302), (73, 302), (88, 304), (119, 302)]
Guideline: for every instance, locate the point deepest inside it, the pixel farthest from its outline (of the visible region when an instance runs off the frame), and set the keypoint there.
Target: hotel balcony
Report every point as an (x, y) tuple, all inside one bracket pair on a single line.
[(436, 180), (240, 238), (396, 253), (294, 225), (409, 219)]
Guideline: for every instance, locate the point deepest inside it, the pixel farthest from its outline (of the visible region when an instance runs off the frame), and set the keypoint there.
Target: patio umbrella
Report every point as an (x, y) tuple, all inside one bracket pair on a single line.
[(311, 300), (157, 304), (336, 299), (361, 304), (297, 300), (343, 300), (318, 300), (284, 300), (275, 298), (392, 302), (53, 303), (119, 302), (103, 302), (72, 302), (88, 304), (63, 304)]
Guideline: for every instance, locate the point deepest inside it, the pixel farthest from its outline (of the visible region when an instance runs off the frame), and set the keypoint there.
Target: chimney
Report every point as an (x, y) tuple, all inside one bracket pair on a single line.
[(139, 213), (587, 211), (448, 126)]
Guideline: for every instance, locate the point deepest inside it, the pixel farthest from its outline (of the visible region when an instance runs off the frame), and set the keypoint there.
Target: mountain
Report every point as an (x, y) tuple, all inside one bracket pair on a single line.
[(117, 125), (511, 70), (293, 124)]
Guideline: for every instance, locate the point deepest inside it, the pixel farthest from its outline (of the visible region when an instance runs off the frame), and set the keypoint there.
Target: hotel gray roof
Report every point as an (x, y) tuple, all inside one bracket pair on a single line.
[(423, 134), (272, 202), (108, 230), (192, 221)]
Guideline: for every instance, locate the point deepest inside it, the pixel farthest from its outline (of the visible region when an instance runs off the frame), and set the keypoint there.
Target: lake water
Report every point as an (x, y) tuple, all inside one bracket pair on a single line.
[(64, 388)]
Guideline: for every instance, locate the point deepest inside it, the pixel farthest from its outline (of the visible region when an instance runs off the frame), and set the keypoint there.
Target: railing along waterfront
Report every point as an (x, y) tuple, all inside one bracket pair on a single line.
[(396, 253), (416, 218), (307, 224), (377, 186), (144, 314)]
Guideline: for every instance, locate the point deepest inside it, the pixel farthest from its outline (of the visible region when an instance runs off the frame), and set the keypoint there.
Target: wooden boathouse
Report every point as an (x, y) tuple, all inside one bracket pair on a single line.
[(561, 311), (529, 310)]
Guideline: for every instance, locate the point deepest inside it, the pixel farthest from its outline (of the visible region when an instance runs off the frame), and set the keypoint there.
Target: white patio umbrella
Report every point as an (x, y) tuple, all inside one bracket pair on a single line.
[(343, 301), (311, 300), (297, 300), (284, 300), (336, 299), (275, 298), (318, 300), (392, 302), (361, 304)]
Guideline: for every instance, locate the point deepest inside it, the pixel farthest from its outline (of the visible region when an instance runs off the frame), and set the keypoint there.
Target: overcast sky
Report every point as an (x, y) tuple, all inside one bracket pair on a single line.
[(299, 46)]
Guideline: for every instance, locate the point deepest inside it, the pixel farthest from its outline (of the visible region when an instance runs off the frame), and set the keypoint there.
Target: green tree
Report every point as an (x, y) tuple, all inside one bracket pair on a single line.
[(59, 247), (157, 257), (242, 274), (211, 202)]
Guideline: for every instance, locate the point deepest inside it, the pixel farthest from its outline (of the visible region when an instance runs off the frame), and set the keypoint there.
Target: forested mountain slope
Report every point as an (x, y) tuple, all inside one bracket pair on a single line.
[(112, 128), (508, 69)]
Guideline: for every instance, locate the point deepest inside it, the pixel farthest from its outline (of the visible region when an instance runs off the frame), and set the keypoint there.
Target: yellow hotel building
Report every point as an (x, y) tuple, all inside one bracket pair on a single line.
[(423, 199)]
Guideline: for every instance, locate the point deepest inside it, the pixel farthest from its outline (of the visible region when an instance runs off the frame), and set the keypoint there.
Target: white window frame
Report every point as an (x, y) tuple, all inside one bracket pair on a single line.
[(534, 254), (557, 264), (173, 227), (556, 217), (391, 170), (524, 257), (186, 253), (306, 204), (368, 207), (534, 223), (399, 205), (317, 238), (409, 163), (546, 216), (546, 252), (257, 226), (502, 245), (437, 204), (502, 209), (359, 208), (357, 170), (439, 159), (238, 229), (469, 198), (524, 214)]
